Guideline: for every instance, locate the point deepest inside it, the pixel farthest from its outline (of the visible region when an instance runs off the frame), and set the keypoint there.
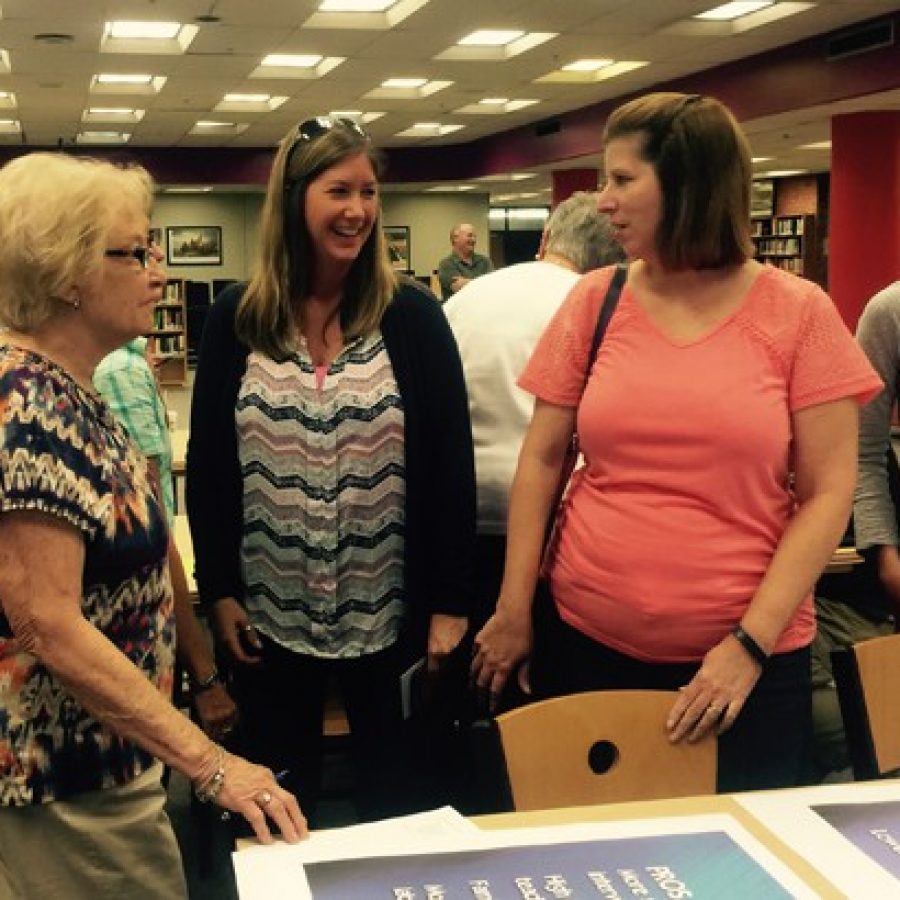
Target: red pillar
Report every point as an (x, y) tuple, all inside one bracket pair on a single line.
[(565, 182), (864, 227)]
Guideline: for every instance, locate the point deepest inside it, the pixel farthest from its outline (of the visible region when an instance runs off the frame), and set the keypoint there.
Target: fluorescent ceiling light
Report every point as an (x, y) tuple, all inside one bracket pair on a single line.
[(817, 145), (449, 188), (356, 5), (782, 173), (246, 98), (10, 126), (7, 100), (490, 38), (112, 114), (761, 159), (207, 123), (110, 78), (357, 115), (587, 65), (102, 137), (403, 84), (307, 66), (205, 189), (494, 101), (429, 129), (292, 60), (160, 31), (727, 12)]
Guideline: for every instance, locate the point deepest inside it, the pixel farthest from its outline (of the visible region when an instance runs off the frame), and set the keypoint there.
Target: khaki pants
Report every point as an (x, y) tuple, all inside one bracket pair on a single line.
[(103, 845)]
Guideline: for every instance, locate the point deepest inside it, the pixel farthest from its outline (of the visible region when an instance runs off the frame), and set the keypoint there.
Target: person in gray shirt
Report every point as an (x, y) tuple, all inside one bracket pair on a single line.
[(864, 603), (463, 264)]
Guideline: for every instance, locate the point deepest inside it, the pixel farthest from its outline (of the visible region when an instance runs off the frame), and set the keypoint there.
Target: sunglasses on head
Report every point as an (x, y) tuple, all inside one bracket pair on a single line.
[(312, 129)]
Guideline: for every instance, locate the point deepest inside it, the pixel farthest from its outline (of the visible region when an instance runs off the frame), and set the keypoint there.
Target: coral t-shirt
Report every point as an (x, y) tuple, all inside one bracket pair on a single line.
[(671, 525)]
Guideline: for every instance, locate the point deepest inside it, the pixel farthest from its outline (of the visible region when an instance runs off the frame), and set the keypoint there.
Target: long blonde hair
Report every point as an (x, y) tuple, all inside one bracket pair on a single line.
[(266, 316)]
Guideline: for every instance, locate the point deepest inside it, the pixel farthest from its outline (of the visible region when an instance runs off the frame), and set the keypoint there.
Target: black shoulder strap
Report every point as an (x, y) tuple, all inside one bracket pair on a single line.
[(610, 301)]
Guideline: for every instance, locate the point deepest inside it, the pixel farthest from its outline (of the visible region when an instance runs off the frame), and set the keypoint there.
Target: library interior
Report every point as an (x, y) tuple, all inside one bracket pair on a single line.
[(489, 127)]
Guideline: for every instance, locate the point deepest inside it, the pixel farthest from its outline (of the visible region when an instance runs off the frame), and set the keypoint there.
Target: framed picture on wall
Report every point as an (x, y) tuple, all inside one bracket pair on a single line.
[(762, 198), (194, 245), (397, 237)]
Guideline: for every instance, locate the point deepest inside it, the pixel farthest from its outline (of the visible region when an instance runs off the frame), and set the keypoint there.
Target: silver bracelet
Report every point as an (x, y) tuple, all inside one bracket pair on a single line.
[(210, 789)]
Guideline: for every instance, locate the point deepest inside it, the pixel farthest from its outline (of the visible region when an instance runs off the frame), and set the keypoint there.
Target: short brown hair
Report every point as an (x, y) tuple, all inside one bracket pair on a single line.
[(702, 161)]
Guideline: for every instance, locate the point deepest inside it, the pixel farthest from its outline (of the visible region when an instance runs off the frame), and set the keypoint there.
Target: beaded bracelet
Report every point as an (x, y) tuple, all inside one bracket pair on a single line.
[(209, 790), (750, 645)]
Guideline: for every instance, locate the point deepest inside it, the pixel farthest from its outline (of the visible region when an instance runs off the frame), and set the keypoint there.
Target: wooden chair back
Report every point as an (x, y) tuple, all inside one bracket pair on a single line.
[(867, 676), (600, 747)]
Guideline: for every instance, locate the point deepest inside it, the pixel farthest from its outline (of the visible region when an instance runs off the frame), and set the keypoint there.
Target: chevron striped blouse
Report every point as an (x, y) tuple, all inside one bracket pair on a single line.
[(323, 495)]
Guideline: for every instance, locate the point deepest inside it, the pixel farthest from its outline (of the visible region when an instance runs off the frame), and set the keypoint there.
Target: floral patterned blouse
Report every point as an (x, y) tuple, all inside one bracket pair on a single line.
[(62, 453)]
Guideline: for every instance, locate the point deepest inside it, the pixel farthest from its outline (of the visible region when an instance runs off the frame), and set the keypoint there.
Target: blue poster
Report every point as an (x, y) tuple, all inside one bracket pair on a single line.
[(668, 867), (873, 827)]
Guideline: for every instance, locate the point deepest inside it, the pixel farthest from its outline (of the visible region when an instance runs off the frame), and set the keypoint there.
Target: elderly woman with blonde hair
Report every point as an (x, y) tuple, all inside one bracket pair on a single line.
[(86, 624)]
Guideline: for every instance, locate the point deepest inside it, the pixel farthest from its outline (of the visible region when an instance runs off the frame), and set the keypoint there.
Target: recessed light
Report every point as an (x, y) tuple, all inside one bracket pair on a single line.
[(490, 38), (110, 78), (727, 12), (494, 101), (292, 60), (782, 173), (761, 159), (587, 65), (246, 98), (403, 83), (817, 145), (356, 5), (160, 31)]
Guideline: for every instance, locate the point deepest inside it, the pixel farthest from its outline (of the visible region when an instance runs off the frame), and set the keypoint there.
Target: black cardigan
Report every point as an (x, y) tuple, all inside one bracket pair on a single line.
[(440, 468)]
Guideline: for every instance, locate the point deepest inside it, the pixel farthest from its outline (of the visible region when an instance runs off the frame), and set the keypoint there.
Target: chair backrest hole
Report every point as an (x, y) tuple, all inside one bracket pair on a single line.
[(602, 757)]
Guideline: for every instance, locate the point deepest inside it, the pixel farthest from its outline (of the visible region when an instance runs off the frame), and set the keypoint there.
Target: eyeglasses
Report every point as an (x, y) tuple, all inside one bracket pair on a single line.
[(142, 254)]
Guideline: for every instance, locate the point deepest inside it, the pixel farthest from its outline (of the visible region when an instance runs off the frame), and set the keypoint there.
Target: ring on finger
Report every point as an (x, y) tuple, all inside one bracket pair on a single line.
[(265, 798), (246, 628), (715, 709)]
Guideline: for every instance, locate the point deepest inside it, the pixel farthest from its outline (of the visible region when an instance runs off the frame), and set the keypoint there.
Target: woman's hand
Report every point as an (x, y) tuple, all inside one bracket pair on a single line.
[(444, 634), (232, 628), (216, 712), (253, 792), (715, 696), (501, 646)]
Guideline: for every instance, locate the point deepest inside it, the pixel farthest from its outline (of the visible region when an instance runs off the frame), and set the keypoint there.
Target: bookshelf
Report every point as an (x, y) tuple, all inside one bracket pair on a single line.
[(788, 242), (168, 340)]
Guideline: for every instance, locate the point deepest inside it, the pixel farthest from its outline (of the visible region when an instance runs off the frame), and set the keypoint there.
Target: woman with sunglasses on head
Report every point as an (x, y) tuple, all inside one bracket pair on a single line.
[(718, 425), (86, 620), (330, 475)]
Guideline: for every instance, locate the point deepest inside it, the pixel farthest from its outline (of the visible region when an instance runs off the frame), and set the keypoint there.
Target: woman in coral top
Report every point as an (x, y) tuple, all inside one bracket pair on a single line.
[(687, 551)]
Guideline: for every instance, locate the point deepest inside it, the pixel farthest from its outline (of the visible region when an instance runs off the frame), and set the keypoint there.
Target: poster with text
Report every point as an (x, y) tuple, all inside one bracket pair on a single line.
[(850, 833), (873, 827), (661, 867)]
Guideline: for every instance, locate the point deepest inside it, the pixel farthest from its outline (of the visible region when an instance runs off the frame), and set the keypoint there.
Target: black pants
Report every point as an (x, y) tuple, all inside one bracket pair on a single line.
[(281, 704), (767, 747)]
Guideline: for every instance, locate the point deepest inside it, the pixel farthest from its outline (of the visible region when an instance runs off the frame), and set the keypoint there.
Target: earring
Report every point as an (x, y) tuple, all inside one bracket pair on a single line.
[(76, 303)]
